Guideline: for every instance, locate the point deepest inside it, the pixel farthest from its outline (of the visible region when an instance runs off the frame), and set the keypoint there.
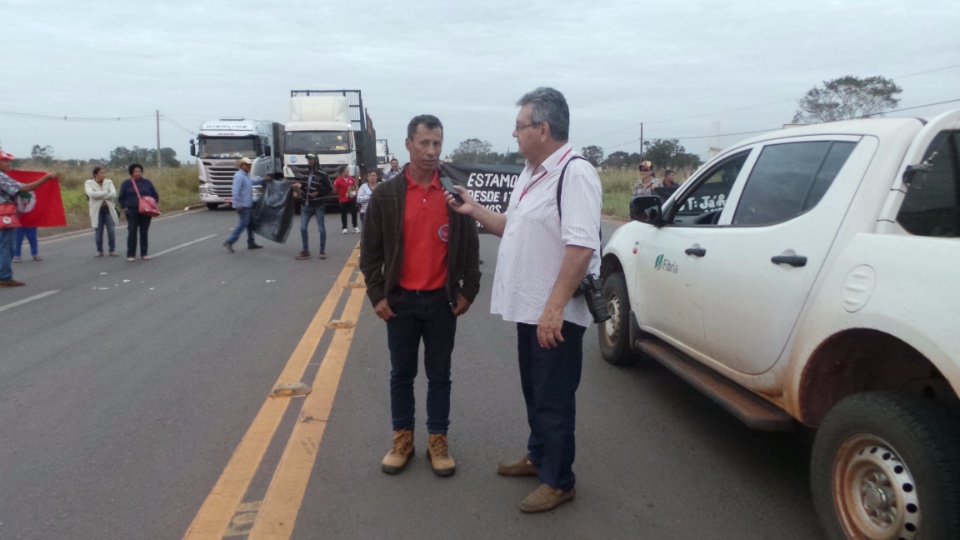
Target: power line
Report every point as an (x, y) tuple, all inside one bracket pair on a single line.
[(171, 121), (915, 107), (74, 118)]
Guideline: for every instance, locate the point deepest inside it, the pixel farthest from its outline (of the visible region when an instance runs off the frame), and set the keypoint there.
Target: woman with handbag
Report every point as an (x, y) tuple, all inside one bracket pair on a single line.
[(138, 198), (10, 189)]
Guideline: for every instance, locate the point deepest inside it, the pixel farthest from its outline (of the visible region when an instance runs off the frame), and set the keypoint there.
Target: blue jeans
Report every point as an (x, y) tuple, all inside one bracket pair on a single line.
[(306, 213), (426, 316), (6, 253), (30, 233), (549, 378), (244, 223), (105, 221)]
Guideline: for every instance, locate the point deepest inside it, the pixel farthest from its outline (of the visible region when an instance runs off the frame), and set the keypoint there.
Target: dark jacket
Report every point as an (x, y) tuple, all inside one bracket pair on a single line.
[(381, 246), (319, 183), (127, 197)]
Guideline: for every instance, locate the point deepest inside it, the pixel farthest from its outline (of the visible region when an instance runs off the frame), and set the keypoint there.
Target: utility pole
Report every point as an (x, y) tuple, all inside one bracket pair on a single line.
[(158, 139), (641, 141)]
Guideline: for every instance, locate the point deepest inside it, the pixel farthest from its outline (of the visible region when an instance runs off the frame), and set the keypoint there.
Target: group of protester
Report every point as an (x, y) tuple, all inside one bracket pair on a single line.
[(419, 254)]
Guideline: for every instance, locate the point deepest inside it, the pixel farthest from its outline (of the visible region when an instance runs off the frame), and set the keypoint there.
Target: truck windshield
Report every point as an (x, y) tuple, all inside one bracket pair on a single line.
[(318, 142), (227, 147)]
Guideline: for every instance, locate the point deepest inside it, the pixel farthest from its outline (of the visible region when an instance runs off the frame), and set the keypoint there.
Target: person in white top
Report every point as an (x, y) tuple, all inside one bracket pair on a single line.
[(365, 192), (103, 212), (550, 241)]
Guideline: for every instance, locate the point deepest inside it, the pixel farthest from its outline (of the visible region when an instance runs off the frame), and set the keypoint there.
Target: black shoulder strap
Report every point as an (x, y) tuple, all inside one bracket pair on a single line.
[(560, 183), (560, 189)]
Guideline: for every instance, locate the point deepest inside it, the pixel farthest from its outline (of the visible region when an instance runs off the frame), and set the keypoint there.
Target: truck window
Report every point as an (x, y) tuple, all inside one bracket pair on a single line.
[(227, 147), (318, 142), (702, 206), (789, 179), (930, 207)]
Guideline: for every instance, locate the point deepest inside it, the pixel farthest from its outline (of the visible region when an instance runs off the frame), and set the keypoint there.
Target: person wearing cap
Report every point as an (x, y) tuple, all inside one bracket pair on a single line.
[(315, 186), (647, 183), (10, 189), (242, 193), (138, 225)]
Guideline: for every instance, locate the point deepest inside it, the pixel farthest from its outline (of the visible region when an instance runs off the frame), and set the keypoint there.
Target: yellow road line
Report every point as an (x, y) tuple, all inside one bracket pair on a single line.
[(279, 509), (213, 518)]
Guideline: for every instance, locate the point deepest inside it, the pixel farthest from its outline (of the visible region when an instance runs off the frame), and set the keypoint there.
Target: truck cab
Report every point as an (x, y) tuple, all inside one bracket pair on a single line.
[(222, 142)]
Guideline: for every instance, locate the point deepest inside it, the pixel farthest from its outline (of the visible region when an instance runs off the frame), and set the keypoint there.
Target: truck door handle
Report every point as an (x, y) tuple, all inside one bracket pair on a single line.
[(792, 260), (696, 252)]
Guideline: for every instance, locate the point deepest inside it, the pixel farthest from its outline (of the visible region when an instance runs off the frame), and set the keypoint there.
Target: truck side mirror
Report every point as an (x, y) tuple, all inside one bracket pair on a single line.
[(266, 150), (193, 148), (646, 209)]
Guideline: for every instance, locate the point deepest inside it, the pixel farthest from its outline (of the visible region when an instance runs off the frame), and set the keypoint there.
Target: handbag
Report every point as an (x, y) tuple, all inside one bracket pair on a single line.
[(146, 205), (9, 217)]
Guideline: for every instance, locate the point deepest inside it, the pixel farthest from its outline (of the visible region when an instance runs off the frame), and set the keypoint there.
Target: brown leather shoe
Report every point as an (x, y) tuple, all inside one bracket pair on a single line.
[(523, 467), (439, 456), (11, 283), (395, 461), (546, 498)]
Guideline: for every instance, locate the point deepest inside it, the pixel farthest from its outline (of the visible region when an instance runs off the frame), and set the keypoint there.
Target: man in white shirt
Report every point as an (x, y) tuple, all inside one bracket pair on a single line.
[(550, 241)]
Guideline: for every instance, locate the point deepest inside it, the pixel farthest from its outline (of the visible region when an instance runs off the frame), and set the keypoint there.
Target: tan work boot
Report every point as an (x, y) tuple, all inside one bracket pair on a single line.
[(395, 461), (546, 498), (440, 458), (522, 467)]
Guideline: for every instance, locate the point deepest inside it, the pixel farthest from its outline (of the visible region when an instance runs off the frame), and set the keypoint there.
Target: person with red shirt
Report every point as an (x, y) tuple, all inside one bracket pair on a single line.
[(346, 188), (421, 263)]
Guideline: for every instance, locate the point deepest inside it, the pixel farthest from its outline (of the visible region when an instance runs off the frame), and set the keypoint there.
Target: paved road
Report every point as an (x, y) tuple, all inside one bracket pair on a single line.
[(134, 404)]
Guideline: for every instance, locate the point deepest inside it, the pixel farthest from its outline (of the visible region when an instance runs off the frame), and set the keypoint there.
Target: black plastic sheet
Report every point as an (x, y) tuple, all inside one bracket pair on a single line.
[(273, 212)]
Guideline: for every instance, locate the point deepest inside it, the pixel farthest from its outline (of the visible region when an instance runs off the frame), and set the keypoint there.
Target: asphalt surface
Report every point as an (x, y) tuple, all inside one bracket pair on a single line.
[(124, 394)]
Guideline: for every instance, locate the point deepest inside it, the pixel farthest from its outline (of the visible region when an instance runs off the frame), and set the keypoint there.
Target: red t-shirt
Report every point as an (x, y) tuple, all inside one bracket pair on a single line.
[(426, 231), (343, 185)]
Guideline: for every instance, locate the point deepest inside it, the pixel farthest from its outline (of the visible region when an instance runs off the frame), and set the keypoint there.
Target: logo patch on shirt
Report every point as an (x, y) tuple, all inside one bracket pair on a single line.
[(444, 232)]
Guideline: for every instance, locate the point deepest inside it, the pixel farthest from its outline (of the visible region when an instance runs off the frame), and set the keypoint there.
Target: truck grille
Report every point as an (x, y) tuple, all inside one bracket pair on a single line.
[(222, 179), (332, 170)]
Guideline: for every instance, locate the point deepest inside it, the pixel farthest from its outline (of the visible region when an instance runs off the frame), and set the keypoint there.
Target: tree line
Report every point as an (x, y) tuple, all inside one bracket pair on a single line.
[(120, 157)]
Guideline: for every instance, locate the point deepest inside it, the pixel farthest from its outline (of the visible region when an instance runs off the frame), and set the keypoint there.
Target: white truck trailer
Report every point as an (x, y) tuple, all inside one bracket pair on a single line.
[(222, 142), (334, 125)]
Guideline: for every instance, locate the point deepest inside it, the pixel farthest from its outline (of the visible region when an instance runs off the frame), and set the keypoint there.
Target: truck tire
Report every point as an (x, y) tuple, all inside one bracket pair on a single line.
[(213, 205), (615, 332), (887, 466)]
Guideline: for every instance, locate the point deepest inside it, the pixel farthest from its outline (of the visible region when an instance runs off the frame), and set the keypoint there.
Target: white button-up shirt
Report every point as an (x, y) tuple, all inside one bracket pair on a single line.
[(534, 239)]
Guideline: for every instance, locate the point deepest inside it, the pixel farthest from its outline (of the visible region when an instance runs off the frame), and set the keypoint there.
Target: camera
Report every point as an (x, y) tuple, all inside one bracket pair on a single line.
[(592, 290)]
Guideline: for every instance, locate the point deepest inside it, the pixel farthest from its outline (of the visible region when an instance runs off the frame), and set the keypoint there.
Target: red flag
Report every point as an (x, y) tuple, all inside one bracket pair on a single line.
[(48, 209)]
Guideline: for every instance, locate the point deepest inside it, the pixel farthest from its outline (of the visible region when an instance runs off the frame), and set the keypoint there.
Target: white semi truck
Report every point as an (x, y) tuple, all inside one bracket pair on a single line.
[(222, 142), (383, 156), (334, 125)]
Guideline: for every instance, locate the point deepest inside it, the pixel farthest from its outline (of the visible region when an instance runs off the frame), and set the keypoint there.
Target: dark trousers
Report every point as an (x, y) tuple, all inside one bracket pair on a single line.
[(349, 206), (549, 378), (137, 223), (427, 317)]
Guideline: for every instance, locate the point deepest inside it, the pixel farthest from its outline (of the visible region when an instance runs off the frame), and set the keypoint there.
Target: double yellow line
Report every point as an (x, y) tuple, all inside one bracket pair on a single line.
[(275, 516)]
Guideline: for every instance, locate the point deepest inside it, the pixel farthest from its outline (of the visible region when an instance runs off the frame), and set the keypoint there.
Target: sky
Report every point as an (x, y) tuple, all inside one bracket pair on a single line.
[(685, 69)]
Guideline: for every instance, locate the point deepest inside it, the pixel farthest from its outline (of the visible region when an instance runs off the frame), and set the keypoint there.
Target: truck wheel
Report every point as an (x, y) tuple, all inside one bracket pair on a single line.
[(887, 466), (213, 205), (615, 332)]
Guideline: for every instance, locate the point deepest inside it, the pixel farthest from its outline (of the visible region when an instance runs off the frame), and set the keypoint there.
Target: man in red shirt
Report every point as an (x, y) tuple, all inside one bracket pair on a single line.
[(421, 263), (346, 188)]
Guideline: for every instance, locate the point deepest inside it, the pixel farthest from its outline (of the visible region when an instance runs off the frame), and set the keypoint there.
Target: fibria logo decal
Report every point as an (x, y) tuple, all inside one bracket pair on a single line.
[(665, 264)]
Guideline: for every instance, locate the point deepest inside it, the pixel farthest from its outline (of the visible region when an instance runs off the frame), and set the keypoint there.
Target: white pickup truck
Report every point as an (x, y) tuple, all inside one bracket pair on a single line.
[(812, 276)]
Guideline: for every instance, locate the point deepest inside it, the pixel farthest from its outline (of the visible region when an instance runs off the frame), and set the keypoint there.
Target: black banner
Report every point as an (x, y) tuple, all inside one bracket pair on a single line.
[(489, 185), (273, 212)]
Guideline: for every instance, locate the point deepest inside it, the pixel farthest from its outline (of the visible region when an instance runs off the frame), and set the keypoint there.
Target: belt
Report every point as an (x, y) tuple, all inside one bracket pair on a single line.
[(421, 291)]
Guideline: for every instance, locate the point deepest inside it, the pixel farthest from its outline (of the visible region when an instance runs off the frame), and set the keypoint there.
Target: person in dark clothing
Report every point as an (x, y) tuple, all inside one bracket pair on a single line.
[(314, 186), (137, 223), (421, 263)]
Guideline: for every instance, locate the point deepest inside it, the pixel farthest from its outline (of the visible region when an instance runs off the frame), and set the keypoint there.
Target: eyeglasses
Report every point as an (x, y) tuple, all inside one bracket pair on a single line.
[(519, 128), (644, 170)]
